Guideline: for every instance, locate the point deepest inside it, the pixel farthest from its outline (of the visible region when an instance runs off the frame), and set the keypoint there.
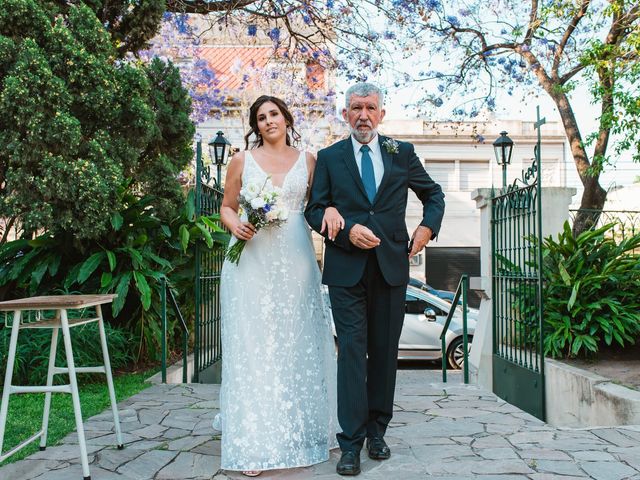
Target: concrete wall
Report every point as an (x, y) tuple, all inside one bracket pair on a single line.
[(578, 398)]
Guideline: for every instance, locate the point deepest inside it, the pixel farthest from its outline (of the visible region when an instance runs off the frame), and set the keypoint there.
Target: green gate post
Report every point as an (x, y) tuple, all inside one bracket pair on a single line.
[(208, 267), (517, 289), (538, 125), (198, 319), (163, 303)]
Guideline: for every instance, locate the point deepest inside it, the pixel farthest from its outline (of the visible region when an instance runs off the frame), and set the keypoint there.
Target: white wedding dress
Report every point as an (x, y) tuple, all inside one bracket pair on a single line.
[(278, 394)]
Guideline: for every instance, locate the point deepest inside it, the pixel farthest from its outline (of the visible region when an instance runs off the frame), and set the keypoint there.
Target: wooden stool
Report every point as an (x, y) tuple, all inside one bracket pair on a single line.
[(60, 304)]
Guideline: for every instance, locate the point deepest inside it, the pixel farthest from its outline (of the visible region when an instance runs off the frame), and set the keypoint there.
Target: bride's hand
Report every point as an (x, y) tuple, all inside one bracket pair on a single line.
[(244, 231), (332, 222)]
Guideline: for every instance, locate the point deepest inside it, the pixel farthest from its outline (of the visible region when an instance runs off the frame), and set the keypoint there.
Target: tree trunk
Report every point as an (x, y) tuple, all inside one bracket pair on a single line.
[(594, 196)]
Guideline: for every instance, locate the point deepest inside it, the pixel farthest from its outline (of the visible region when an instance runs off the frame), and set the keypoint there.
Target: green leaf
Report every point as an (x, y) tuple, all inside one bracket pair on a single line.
[(105, 280), (564, 274), (159, 260), (10, 249), (574, 295), (112, 259), (116, 221), (136, 257), (141, 239), (122, 289), (166, 230), (205, 234), (184, 237), (212, 224), (42, 241), (72, 276), (89, 266), (190, 206), (143, 288), (54, 265), (21, 263), (577, 344), (36, 276)]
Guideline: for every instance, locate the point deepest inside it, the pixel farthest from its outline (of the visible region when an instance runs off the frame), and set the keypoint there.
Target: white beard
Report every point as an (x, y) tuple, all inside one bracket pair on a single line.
[(364, 136)]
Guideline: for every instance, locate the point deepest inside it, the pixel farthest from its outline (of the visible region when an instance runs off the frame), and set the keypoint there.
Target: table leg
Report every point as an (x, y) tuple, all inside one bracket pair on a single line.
[(47, 395), (6, 391), (75, 396), (107, 371)]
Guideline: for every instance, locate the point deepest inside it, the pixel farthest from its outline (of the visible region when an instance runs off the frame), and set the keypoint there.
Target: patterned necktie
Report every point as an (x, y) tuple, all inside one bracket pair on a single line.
[(368, 177)]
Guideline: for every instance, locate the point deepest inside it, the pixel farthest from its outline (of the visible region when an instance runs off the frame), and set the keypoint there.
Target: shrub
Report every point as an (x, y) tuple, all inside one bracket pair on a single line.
[(32, 354), (591, 291), (139, 250)]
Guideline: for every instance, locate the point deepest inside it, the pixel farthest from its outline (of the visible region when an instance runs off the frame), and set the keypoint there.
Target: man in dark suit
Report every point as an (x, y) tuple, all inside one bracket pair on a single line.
[(366, 265)]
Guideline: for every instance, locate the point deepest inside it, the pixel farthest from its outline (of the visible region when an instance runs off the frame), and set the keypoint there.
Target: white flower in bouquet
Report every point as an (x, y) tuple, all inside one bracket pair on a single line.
[(257, 203), (283, 214), (251, 191), (261, 202), (272, 215)]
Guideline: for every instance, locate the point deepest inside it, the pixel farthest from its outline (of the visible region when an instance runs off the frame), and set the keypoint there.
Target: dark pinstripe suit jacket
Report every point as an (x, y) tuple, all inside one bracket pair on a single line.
[(337, 182)]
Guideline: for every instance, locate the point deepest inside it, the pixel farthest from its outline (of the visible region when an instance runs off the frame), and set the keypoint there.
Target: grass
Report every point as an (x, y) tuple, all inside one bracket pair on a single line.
[(25, 411)]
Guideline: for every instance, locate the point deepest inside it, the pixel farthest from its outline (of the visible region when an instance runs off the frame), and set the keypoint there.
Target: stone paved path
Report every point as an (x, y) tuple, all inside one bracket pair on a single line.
[(439, 431)]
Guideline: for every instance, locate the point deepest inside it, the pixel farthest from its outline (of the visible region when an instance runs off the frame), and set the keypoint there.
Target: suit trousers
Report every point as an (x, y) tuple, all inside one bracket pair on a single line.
[(368, 318)]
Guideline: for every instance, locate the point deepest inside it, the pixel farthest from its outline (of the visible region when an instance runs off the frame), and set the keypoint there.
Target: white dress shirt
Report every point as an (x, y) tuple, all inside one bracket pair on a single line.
[(374, 153)]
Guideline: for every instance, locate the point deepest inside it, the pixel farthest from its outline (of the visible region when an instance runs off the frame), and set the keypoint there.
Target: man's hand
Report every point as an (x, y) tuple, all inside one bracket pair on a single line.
[(420, 238), (362, 237)]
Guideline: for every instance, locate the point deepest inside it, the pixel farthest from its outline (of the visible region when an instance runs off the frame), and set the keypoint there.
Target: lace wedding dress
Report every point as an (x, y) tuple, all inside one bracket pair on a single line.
[(278, 394)]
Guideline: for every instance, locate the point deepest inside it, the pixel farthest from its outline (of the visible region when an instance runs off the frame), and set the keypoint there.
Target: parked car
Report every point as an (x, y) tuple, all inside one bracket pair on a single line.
[(444, 294), (424, 319)]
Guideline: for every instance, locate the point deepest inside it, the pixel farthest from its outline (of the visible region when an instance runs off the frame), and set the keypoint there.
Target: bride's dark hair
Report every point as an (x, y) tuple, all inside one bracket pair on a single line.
[(294, 138)]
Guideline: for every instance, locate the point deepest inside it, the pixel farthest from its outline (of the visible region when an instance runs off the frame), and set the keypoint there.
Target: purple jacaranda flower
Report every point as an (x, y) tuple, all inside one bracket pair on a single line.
[(453, 20), (274, 34)]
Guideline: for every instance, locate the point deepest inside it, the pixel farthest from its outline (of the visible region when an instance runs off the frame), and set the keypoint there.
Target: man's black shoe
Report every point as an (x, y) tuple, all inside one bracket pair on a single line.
[(377, 448), (349, 464)]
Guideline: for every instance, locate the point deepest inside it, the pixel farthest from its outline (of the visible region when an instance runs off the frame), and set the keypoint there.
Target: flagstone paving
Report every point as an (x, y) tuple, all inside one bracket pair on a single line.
[(439, 431)]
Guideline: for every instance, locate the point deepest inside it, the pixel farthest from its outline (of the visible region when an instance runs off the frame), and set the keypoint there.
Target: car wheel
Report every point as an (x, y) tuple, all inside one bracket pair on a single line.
[(455, 353)]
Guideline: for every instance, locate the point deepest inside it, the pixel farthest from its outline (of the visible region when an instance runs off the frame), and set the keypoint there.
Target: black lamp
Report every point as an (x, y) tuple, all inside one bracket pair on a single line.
[(503, 147), (219, 149)]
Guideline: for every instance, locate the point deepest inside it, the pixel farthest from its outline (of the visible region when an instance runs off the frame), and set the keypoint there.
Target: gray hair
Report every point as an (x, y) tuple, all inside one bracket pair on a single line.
[(363, 89)]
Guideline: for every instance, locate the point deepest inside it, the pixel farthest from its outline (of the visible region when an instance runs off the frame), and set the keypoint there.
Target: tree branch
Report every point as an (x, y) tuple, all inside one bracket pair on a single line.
[(567, 76), (533, 22), (205, 6), (566, 36), (7, 228)]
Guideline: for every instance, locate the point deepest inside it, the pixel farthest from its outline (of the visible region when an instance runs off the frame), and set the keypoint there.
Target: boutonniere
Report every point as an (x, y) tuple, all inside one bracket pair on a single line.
[(390, 145)]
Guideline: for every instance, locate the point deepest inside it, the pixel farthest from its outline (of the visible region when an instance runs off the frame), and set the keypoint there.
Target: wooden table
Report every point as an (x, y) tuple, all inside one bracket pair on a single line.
[(58, 304)]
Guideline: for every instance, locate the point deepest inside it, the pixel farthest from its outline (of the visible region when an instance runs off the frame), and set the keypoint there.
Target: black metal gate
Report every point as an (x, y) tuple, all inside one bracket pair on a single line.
[(208, 265), (518, 342)]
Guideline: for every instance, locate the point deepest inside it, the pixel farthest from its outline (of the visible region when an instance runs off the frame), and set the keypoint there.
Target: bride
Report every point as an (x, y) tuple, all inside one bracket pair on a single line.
[(278, 394)]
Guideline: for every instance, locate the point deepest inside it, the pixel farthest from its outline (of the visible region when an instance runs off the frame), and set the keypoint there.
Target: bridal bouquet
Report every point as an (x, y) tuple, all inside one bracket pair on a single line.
[(262, 204)]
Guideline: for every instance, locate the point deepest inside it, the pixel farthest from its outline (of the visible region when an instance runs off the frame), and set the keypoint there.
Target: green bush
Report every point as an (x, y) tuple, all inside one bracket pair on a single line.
[(92, 142), (32, 354), (130, 261), (591, 291)]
